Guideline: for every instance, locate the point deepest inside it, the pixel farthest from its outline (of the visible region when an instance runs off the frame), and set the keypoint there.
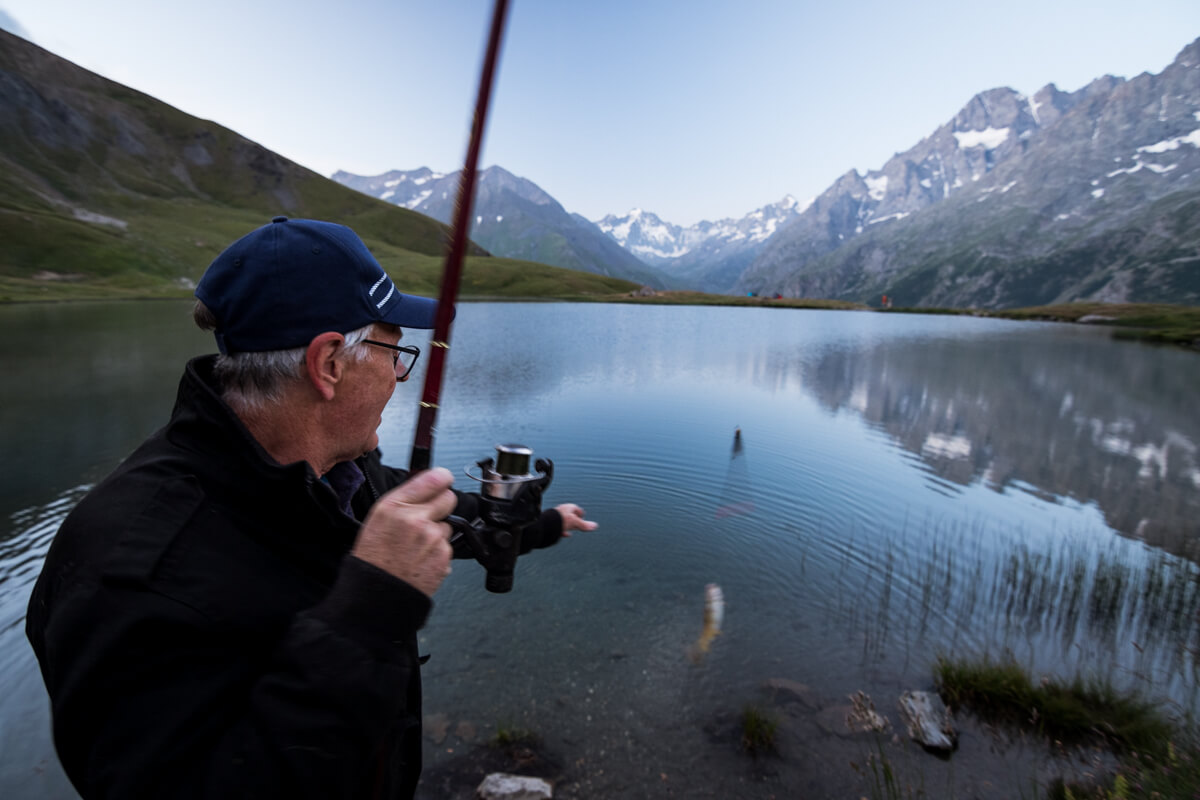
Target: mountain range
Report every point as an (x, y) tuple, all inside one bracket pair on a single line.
[(513, 218), (1087, 195), (1017, 200), (709, 256)]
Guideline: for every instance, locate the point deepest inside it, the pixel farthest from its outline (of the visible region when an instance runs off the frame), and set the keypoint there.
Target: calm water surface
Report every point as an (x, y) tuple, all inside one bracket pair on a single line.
[(905, 486)]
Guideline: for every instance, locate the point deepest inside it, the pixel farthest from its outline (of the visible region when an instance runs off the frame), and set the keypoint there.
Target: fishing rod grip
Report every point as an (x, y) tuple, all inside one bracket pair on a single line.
[(419, 460), (422, 450)]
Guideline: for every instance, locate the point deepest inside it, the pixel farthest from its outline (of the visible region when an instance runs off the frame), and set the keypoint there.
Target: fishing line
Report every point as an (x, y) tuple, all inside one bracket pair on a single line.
[(452, 272)]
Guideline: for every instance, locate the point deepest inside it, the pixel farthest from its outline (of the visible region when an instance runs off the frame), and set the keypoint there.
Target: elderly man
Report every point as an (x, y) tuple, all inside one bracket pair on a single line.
[(234, 611)]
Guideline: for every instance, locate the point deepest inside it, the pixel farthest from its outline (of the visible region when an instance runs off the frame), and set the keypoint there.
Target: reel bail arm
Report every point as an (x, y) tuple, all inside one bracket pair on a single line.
[(510, 499)]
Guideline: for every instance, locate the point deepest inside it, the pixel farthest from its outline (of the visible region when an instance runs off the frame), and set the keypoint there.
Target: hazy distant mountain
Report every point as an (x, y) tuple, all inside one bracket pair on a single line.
[(708, 255), (1093, 194), (514, 218)]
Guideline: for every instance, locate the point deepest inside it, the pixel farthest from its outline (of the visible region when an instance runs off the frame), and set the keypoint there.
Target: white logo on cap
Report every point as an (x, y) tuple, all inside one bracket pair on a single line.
[(386, 297)]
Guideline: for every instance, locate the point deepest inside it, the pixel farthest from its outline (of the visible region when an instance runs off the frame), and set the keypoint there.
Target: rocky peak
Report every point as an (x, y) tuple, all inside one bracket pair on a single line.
[(497, 179), (1005, 189)]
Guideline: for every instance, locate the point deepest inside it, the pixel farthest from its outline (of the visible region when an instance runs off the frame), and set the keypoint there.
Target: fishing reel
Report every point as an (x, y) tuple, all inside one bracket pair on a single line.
[(509, 499)]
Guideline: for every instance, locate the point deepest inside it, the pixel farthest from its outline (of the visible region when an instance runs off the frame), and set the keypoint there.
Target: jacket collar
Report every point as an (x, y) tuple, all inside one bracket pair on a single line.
[(202, 418)]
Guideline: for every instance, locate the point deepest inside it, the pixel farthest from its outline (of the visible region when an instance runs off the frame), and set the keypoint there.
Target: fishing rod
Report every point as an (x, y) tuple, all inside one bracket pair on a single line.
[(452, 272), (511, 494)]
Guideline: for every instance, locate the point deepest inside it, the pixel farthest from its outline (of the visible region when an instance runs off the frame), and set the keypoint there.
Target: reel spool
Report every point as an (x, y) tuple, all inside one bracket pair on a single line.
[(501, 478)]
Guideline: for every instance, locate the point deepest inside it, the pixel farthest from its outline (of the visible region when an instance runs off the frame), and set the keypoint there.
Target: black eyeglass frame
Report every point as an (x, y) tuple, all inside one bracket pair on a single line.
[(412, 350)]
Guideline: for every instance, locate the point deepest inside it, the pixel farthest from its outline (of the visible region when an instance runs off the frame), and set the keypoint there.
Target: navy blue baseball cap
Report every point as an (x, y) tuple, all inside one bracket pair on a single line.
[(281, 285)]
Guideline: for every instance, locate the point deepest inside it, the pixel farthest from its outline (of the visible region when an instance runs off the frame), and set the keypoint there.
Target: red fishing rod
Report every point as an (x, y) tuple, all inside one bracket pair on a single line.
[(452, 272)]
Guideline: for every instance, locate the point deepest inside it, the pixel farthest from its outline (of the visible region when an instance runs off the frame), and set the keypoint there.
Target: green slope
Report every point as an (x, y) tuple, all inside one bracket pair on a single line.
[(107, 192)]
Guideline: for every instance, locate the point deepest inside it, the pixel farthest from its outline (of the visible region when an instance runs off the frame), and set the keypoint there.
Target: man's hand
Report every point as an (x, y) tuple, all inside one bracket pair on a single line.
[(404, 533), (572, 518)]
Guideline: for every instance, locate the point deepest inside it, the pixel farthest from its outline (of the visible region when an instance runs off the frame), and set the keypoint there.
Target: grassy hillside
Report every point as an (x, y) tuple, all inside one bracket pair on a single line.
[(1153, 322), (107, 192)]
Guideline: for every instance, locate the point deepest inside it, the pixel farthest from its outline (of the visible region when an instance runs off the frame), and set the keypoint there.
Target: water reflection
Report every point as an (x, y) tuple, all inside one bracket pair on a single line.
[(1098, 425), (28, 767), (83, 384)]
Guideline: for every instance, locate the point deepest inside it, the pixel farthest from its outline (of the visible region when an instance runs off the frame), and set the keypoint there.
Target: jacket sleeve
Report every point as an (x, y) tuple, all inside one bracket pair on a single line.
[(380, 478), (545, 531), (154, 699)]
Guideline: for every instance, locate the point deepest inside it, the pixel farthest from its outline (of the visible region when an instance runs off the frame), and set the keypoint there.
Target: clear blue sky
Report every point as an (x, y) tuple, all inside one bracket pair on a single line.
[(697, 109)]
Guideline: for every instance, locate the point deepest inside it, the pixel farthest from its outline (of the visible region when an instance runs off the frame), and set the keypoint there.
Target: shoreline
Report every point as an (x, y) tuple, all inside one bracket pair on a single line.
[(1152, 323)]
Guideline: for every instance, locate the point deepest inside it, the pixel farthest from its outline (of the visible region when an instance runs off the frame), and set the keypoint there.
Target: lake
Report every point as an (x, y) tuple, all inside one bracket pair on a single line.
[(903, 486)]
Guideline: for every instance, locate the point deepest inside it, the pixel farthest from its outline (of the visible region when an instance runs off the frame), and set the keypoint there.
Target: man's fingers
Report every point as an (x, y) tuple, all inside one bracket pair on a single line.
[(423, 487), (573, 519)]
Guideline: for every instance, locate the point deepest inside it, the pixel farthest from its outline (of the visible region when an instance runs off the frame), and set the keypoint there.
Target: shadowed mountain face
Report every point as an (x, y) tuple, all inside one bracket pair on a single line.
[(104, 185), (1079, 423), (1091, 195)]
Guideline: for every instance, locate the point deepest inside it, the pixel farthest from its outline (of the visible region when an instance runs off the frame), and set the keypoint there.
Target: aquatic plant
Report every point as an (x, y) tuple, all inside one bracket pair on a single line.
[(883, 781), (512, 735), (759, 729), (1133, 615), (1073, 712), (1176, 775)]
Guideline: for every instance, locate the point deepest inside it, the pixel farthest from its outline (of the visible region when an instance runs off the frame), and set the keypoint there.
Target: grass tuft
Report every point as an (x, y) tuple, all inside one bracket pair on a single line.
[(513, 736), (1159, 760), (1073, 713), (1173, 777), (759, 729)]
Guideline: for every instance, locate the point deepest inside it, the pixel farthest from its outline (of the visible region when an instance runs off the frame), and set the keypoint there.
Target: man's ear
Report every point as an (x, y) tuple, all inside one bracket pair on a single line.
[(323, 366)]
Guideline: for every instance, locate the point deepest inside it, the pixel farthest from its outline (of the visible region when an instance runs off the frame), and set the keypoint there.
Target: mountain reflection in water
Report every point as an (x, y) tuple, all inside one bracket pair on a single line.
[(1089, 427)]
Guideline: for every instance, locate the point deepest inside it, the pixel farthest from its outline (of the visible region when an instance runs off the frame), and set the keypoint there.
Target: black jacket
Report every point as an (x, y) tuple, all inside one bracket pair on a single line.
[(203, 631)]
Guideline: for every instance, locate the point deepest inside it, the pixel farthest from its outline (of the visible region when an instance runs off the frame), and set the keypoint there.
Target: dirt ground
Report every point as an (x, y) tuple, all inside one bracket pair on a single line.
[(816, 755)]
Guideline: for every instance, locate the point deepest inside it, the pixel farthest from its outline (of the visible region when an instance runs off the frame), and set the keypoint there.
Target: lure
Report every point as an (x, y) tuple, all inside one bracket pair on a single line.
[(714, 615)]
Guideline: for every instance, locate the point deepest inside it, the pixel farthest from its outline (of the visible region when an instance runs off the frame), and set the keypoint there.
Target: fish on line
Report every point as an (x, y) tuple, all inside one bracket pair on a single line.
[(714, 615)]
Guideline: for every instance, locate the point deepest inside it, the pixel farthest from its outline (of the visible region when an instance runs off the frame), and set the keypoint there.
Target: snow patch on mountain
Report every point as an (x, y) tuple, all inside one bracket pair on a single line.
[(1192, 138), (988, 138), (419, 198), (876, 186), (889, 218)]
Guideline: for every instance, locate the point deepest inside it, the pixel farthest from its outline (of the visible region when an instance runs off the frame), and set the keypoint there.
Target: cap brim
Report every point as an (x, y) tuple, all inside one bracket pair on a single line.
[(413, 311)]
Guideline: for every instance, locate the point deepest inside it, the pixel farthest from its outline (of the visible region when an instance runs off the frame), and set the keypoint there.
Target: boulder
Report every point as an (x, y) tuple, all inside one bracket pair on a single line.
[(850, 720), (786, 690), (436, 726), (502, 786), (863, 717), (928, 721)]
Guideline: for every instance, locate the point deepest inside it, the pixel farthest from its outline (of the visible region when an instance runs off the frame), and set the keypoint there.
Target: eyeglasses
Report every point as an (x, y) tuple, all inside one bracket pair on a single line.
[(403, 365)]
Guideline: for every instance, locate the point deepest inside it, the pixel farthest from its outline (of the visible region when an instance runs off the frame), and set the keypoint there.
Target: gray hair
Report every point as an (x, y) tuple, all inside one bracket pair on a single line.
[(254, 381)]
